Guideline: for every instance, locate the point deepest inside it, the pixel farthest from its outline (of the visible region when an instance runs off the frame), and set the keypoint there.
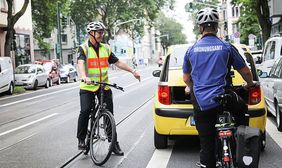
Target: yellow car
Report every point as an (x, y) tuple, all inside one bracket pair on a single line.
[(173, 110)]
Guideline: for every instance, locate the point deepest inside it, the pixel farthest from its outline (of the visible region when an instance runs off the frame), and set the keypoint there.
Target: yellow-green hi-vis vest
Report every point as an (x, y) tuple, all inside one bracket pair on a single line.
[(96, 68)]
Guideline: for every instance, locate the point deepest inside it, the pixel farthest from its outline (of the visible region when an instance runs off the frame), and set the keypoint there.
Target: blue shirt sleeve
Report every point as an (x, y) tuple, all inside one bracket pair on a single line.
[(186, 63), (238, 61)]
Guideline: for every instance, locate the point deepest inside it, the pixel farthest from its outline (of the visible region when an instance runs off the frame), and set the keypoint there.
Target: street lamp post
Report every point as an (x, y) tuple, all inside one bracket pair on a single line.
[(59, 40)]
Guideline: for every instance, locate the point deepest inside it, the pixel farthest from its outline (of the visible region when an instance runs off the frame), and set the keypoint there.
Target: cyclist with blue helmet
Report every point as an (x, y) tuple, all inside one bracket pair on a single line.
[(206, 72)]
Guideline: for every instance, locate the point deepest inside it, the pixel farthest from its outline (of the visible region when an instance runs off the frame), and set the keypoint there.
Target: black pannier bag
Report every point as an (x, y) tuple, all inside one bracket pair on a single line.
[(248, 147)]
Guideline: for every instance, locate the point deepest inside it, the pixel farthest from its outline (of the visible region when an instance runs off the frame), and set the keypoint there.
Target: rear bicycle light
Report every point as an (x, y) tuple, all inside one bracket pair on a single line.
[(164, 95), (254, 95), (226, 133)]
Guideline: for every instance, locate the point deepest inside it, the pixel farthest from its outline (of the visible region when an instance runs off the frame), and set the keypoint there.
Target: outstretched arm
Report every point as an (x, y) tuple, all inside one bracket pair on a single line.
[(127, 68), (247, 76)]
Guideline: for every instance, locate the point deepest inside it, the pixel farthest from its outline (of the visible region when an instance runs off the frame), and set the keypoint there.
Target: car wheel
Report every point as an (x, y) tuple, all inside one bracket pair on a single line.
[(59, 81), (11, 89), (68, 80), (160, 140), (75, 78), (278, 118), (263, 140), (47, 84), (50, 83), (35, 85)]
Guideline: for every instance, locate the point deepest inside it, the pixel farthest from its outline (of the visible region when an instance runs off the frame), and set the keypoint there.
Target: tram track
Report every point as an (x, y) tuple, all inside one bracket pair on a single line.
[(71, 159)]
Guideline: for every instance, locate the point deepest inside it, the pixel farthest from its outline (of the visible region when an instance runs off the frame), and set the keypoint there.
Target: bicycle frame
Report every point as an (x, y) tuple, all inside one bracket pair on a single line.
[(106, 126), (225, 129)]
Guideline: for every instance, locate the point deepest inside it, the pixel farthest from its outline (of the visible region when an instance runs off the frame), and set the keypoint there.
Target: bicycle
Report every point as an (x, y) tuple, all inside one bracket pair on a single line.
[(101, 134), (225, 141)]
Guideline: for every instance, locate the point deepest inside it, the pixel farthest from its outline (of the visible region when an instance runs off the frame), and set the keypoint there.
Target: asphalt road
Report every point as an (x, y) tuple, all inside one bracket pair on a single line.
[(38, 129)]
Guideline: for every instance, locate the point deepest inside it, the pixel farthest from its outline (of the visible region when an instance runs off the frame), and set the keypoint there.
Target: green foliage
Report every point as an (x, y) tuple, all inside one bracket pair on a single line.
[(19, 90), (174, 29), (44, 16), (112, 12), (254, 18), (248, 20)]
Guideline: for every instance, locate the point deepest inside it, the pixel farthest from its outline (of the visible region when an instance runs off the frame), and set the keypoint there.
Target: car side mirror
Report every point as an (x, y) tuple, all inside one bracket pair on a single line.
[(156, 73)]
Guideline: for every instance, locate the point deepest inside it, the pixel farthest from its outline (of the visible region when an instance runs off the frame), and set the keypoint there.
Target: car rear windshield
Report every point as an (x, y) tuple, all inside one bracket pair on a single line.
[(177, 57)]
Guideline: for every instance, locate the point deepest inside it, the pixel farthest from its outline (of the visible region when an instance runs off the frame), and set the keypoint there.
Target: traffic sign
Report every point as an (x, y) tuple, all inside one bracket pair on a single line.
[(237, 34)]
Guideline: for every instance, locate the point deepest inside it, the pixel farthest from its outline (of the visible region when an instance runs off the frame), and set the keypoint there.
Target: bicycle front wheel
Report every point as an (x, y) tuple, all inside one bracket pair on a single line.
[(103, 138)]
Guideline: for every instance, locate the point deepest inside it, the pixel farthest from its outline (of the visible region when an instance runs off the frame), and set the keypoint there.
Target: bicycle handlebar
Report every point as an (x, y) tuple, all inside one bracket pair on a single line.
[(114, 85)]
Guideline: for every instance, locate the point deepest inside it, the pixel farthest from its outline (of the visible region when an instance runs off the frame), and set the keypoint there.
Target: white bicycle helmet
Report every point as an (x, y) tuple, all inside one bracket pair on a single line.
[(207, 15), (94, 26)]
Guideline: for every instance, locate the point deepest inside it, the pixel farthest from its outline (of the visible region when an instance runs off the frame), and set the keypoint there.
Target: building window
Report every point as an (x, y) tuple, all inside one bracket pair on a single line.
[(233, 11), (22, 48), (4, 6), (237, 11), (64, 38)]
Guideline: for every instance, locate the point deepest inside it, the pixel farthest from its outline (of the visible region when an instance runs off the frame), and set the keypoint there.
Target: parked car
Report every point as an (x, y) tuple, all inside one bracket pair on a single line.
[(173, 109), (7, 78), (31, 76), (68, 73), (53, 71), (272, 86), (272, 51)]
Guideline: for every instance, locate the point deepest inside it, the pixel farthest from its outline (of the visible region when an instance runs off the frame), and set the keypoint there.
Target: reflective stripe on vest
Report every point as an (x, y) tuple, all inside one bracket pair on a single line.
[(96, 67)]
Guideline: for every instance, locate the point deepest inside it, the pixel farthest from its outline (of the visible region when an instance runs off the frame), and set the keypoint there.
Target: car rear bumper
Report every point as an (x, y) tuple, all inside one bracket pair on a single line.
[(175, 121), (185, 113)]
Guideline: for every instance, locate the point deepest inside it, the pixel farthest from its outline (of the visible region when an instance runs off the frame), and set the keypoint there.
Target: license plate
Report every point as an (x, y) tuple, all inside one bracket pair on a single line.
[(192, 121)]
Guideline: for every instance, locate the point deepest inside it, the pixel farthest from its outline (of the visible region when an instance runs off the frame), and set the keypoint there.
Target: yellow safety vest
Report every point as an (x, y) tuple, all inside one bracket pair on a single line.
[(96, 68)]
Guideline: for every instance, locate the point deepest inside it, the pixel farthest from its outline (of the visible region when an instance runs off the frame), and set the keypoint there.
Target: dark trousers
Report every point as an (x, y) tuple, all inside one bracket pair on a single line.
[(86, 100), (205, 124)]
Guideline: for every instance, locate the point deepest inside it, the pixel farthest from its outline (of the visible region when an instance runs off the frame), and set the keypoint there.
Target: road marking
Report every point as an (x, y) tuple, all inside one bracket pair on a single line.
[(25, 125), (20, 101), (273, 132), (17, 142), (160, 158), (131, 149), (34, 91)]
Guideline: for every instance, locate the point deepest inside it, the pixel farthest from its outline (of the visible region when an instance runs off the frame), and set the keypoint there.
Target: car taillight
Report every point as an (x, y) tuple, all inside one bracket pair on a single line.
[(164, 95), (254, 95)]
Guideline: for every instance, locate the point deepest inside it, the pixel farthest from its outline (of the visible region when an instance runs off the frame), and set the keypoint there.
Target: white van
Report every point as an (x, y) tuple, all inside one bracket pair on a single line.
[(272, 51), (7, 78)]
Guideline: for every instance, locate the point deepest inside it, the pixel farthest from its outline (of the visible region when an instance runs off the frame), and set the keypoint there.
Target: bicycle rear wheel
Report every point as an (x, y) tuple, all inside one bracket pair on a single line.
[(103, 138)]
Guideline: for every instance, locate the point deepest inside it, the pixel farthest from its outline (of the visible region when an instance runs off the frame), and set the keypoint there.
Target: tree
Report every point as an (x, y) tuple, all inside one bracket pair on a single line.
[(44, 17), (260, 9), (111, 12), (168, 26), (11, 21)]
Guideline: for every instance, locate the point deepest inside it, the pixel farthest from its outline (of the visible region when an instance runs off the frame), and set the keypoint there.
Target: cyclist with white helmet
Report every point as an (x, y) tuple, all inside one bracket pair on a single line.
[(93, 59), (206, 72)]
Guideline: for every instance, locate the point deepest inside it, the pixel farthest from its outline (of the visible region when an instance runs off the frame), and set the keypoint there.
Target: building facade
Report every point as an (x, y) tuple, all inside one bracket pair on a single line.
[(68, 42), (23, 33), (229, 16), (275, 10)]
